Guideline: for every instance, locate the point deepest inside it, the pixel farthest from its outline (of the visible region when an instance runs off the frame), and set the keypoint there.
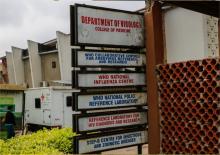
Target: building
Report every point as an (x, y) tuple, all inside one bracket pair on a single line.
[(11, 96), (190, 35), (41, 64), (3, 70)]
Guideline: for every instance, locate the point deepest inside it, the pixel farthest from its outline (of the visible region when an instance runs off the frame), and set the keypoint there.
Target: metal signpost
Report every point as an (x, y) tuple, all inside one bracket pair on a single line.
[(93, 122), (94, 79), (96, 26), (107, 141), (103, 100), (95, 58), (112, 81)]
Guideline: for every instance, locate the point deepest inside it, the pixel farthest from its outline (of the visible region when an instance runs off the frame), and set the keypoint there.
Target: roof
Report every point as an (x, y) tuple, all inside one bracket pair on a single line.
[(211, 8), (52, 41), (11, 87), (61, 88), (3, 57)]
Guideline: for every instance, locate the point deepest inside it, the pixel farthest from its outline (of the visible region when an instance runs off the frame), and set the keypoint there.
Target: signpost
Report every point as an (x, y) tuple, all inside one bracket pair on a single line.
[(94, 79), (102, 142), (96, 26), (92, 58), (95, 101), (109, 120), (119, 91)]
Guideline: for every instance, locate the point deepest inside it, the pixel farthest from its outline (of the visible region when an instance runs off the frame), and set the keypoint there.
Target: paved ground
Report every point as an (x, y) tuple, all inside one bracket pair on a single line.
[(127, 151)]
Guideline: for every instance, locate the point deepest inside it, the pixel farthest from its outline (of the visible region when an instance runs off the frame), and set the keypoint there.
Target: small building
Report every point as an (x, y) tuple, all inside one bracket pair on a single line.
[(11, 96)]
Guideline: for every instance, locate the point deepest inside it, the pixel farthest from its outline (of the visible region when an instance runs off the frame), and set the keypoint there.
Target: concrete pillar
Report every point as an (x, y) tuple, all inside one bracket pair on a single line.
[(64, 52), (35, 63), (27, 73), (10, 68), (18, 65)]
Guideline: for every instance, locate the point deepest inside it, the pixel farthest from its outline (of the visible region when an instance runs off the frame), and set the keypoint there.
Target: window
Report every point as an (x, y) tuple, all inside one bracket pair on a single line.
[(37, 103), (54, 65), (69, 101)]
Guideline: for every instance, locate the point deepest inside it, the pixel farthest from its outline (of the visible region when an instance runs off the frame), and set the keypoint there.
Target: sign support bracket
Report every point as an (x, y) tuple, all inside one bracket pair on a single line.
[(139, 147)]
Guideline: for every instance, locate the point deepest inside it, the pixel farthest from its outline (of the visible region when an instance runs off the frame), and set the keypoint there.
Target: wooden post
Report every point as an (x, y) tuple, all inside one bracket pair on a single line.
[(155, 55)]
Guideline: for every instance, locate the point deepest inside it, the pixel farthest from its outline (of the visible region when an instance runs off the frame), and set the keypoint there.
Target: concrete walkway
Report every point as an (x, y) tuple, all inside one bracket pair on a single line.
[(127, 151)]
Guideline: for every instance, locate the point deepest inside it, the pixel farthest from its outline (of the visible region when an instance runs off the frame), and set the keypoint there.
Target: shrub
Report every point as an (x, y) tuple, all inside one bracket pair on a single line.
[(55, 141)]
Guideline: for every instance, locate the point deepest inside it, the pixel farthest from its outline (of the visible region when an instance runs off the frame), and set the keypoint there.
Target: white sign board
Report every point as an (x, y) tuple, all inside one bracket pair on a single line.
[(101, 26), (88, 58), (114, 120), (112, 141), (99, 101), (110, 79)]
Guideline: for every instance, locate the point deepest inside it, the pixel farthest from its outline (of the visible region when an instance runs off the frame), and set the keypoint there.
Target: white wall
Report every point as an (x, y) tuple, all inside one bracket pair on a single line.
[(64, 51), (10, 68), (35, 63), (185, 35), (18, 65)]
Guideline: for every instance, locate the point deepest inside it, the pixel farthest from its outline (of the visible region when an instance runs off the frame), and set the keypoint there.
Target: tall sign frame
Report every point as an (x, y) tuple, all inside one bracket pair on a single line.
[(122, 83)]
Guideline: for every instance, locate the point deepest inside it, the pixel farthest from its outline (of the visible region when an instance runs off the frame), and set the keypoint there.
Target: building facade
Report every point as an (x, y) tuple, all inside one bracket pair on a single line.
[(188, 35), (41, 64)]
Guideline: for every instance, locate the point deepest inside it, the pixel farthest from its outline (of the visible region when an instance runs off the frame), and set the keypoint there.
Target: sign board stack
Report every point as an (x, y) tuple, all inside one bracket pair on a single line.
[(112, 99)]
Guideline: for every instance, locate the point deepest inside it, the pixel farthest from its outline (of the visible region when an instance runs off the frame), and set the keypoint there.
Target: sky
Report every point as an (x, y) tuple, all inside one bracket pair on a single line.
[(38, 20)]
